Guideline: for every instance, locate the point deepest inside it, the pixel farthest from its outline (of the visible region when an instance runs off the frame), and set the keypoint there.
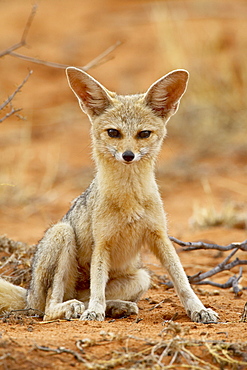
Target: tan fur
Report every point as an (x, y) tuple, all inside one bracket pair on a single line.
[(89, 263), (11, 297)]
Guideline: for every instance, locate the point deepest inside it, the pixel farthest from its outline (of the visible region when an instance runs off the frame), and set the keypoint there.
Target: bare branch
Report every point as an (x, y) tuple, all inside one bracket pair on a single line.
[(96, 61), (28, 24), (23, 41), (232, 282), (10, 51), (199, 278), (192, 246), (219, 268), (40, 61)]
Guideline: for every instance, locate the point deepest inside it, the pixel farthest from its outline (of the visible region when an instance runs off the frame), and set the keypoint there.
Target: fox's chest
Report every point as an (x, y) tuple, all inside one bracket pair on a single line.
[(123, 228), (126, 243)]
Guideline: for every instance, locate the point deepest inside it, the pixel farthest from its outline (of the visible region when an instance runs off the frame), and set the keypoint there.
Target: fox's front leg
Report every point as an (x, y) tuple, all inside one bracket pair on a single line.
[(164, 250), (98, 279)]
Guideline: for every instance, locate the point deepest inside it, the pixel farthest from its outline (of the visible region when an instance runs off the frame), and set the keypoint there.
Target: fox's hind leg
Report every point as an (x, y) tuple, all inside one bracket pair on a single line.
[(54, 275), (121, 293), (129, 289)]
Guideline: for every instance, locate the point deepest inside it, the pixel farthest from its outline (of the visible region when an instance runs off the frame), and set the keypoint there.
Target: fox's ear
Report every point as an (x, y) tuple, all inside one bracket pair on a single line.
[(164, 95), (93, 97)]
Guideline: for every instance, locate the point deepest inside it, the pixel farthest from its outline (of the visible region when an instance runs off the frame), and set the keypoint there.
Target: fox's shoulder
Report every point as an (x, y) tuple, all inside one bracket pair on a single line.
[(82, 202)]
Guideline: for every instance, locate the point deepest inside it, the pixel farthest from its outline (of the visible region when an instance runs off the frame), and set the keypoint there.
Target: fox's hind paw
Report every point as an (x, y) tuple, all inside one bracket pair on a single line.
[(120, 308), (205, 316)]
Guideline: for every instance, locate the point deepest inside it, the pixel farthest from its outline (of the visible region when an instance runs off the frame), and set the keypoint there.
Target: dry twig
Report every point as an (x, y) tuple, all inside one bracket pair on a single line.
[(60, 350)]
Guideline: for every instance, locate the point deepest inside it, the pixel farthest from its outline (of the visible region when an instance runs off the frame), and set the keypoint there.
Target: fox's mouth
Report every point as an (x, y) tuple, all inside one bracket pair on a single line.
[(128, 163)]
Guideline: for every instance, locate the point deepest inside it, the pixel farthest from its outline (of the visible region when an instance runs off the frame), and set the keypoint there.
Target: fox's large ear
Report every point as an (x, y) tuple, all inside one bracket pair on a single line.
[(164, 95), (93, 97)]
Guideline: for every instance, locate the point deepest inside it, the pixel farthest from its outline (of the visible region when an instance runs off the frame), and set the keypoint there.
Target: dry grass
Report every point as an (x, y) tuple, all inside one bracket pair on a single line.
[(229, 216), (19, 157), (172, 351)]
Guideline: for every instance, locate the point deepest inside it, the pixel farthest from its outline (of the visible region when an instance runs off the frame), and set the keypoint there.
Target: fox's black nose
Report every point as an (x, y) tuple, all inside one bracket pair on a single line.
[(128, 156)]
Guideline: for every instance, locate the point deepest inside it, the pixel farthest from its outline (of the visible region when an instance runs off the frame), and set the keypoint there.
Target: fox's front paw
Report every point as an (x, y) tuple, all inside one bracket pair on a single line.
[(205, 316), (68, 310), (93, 315)]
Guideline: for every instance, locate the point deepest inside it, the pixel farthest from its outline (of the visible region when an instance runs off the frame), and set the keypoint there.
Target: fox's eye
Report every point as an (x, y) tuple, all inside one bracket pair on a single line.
[(144, 134), (112, 132)]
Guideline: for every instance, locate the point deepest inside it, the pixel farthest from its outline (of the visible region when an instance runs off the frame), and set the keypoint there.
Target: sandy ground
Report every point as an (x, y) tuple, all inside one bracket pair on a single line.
[(46, 162)]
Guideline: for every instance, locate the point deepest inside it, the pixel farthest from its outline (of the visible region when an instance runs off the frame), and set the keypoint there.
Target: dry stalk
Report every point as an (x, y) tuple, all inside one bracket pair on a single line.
[(220, 352)]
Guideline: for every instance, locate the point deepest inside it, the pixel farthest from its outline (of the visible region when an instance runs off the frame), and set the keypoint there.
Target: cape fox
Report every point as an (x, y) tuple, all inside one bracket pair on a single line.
[(88, 264)]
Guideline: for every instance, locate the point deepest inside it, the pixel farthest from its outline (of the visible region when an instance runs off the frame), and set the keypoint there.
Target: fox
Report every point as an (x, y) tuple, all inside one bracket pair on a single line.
[(88, 265)]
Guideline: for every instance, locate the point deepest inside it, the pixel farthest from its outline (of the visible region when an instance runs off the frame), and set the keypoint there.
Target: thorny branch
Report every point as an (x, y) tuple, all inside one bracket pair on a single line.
[(11, 97), (8, 51), (199, 278)]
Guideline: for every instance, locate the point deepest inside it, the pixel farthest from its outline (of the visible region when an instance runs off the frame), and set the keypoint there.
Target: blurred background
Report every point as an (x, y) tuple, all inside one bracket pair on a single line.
[(45, 152)]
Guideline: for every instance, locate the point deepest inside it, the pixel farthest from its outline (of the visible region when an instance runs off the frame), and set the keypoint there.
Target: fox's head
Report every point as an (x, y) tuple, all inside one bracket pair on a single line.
[(128, 128)]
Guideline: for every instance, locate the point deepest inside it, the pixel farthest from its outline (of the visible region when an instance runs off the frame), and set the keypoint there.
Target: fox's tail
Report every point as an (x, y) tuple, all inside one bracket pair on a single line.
[(12, 297)]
